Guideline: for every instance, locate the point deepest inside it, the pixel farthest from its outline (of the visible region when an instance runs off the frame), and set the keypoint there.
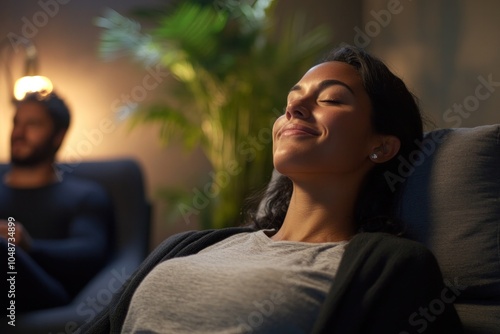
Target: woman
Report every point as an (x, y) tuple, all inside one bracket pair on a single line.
[(316, 261)]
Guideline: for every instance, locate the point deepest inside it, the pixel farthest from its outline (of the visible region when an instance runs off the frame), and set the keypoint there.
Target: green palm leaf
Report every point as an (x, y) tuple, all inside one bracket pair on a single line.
[(193, 29)]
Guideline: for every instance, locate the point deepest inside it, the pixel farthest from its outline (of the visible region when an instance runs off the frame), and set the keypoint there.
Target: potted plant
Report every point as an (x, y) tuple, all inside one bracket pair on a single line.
[(233, 67)]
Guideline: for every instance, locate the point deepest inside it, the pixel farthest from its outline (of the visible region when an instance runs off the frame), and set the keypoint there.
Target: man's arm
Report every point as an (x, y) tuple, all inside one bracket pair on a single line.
[(75, 259), (15, 231)]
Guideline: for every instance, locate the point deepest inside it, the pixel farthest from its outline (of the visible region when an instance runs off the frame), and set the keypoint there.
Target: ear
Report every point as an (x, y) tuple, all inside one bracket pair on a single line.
[(386, 150)]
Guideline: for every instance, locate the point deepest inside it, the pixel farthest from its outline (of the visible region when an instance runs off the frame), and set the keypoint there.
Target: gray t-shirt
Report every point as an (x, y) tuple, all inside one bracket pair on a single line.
[(247, 283)]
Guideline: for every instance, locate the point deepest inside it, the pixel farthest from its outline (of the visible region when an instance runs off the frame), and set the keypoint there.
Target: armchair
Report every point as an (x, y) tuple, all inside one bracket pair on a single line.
[(123, 180)]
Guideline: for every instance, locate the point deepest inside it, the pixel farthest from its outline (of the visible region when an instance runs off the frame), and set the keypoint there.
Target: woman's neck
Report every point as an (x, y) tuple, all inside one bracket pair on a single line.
[(321, 210)]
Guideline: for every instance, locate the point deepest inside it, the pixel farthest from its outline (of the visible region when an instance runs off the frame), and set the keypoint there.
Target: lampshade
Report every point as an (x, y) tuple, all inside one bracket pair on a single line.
[(32, 84)]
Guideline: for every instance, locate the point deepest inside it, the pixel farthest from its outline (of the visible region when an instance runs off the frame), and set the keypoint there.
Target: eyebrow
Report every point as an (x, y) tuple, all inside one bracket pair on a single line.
[(325, 84)]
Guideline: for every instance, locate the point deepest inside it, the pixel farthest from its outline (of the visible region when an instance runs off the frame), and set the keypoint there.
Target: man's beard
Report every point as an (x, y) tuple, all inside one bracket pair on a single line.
[(39, 154)]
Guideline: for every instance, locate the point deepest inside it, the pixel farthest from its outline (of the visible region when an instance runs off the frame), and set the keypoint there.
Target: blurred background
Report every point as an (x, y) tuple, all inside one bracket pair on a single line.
[(446, 51)]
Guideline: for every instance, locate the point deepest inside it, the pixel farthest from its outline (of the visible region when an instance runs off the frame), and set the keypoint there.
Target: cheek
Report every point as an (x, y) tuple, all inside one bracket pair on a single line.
[(348, 141), (276, 126), (39, 136), (348, 128), (278, 123)]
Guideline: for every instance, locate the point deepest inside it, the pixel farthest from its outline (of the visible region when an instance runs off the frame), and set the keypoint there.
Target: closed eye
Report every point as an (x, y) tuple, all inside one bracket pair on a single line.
[(331, 101)]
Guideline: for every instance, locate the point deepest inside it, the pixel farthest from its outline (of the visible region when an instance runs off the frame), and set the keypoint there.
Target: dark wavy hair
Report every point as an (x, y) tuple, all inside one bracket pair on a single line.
[(395, 112)]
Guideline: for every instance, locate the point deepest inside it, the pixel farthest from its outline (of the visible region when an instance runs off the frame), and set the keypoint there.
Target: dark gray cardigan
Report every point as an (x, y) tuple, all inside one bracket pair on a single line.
[(384, 284)]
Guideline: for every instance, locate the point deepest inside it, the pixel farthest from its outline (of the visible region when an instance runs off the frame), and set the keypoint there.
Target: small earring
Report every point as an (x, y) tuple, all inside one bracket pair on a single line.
[(373, 156)]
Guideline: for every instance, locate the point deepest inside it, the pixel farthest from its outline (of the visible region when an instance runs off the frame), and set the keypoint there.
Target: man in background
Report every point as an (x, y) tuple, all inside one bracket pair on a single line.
[(60, 226)]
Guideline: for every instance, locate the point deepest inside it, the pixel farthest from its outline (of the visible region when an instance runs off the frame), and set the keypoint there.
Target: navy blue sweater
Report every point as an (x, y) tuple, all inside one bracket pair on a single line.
[(69, 222)]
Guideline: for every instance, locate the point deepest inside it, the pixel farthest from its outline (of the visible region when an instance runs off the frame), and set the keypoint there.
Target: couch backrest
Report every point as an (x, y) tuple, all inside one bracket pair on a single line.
[(123, 179), (451, 203)]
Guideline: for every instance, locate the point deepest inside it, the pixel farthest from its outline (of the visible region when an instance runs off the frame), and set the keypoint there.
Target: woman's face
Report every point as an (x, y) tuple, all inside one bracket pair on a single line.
[(327, 124)]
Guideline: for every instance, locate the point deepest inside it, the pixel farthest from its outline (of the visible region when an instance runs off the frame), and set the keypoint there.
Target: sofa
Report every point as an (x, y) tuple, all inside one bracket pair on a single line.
[(123, 180), (451, 203)]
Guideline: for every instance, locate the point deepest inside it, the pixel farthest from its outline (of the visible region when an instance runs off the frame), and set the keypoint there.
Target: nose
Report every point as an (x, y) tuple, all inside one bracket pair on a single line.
[(297, 109)]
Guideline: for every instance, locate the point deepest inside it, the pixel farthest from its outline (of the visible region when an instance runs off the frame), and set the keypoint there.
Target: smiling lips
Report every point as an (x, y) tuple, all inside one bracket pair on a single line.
[(297, 130)]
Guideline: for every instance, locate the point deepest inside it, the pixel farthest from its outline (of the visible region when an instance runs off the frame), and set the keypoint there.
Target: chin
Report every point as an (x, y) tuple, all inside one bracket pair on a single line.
[(27, 161), (288, 167)]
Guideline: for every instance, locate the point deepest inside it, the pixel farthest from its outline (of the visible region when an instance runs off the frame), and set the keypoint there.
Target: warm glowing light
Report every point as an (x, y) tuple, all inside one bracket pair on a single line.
[(32, 84)]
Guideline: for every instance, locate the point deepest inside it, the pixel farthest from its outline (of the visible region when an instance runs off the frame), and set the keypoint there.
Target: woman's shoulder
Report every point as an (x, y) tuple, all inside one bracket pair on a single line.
[(386, 240), (389, 247), (379, 258)]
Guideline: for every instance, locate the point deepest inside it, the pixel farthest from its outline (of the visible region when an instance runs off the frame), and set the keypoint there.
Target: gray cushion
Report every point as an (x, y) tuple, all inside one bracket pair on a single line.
[(451, 203)]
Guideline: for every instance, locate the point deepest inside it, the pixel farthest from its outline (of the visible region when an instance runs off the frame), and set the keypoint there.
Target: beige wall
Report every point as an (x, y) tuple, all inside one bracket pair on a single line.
[(447, 51), (339, 15)]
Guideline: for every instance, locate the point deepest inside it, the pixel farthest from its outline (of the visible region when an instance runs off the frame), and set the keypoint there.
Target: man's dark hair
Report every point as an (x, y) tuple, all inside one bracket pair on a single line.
[(55, 107)]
